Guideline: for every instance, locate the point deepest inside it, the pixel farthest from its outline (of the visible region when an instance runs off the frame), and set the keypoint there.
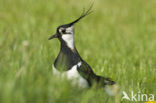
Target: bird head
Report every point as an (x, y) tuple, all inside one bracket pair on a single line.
[(65, 32)]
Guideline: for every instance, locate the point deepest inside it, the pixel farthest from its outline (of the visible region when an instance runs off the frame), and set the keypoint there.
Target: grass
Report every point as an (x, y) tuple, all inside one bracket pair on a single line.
[(118, 40)]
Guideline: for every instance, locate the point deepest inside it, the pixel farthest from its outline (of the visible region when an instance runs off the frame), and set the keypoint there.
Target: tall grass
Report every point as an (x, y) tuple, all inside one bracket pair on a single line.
[(118, 40)]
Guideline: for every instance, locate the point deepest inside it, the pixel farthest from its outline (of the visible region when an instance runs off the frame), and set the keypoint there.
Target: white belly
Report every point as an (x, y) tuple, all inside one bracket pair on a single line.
[(72, 75)]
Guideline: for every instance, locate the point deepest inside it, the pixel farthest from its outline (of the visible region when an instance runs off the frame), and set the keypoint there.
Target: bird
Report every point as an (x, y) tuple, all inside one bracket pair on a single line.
[(69, 63)]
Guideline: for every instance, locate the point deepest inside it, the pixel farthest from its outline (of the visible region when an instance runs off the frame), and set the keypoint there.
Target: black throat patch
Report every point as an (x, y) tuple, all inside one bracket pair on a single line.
[(67, 58)]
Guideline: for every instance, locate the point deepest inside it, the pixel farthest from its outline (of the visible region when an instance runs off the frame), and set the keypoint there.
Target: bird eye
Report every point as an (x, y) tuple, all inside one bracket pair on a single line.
[(63, 31)]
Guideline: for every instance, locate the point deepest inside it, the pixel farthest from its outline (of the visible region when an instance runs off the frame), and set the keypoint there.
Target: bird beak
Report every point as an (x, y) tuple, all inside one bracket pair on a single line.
[(53, 36)]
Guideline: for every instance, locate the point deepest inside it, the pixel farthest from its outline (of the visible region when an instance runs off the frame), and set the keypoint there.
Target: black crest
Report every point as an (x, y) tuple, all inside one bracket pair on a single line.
[(84, 13)]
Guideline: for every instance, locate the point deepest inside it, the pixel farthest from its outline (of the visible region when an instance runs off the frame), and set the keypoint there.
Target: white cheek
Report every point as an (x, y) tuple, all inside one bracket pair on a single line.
[(69, 39), (70, 29)]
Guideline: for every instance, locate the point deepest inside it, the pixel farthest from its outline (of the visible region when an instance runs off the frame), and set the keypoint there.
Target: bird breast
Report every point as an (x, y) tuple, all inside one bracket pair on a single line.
[(72, 75)]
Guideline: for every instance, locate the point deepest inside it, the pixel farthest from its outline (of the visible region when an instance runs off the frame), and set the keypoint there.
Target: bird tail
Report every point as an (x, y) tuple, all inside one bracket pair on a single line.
[(106, 81)]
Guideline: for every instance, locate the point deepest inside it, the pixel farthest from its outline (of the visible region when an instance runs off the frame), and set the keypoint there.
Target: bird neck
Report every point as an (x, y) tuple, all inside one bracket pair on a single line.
[(68, 39), (68, 47)]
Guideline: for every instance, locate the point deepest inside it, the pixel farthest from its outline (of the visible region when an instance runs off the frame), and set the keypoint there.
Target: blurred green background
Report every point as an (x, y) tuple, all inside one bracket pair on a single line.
[(118, 40)]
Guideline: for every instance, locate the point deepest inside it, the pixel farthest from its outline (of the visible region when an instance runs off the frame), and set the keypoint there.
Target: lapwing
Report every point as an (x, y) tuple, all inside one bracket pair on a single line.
[(69, 63)]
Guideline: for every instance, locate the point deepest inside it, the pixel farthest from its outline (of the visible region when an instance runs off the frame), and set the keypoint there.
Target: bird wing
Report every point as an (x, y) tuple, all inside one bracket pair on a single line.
[(86, 72)]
